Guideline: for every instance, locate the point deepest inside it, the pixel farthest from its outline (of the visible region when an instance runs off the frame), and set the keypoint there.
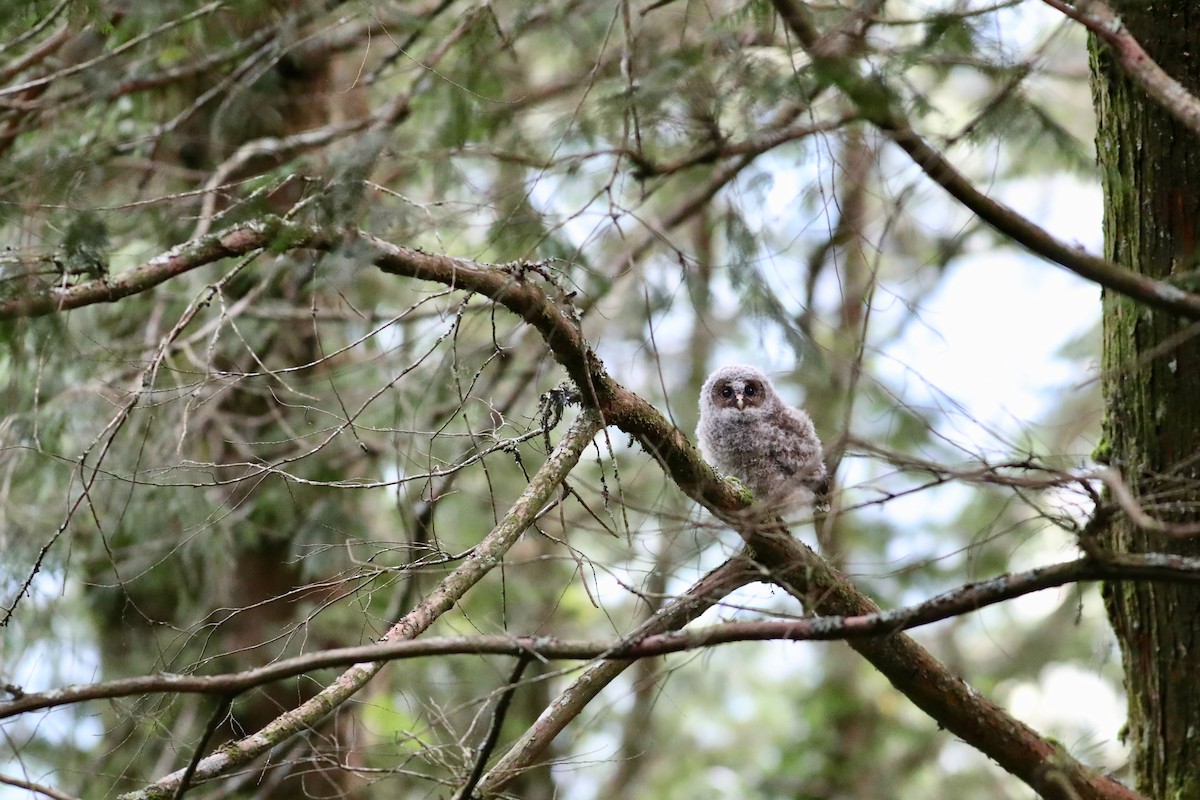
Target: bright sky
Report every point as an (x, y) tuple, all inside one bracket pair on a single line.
[(992, 330)]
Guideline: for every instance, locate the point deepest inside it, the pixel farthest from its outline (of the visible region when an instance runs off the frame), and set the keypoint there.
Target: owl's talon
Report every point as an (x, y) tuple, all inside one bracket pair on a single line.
[(744, 492)]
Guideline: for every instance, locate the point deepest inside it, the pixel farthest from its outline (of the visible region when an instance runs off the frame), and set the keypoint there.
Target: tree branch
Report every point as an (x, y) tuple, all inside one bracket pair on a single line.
[(642, 643), (36, 788), (1137, 63), (874, 100), (182, 258), (941, 694), (484, 557)]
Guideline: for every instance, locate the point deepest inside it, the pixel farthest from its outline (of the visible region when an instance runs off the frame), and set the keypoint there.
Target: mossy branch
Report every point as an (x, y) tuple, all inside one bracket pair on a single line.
[(519, 288)]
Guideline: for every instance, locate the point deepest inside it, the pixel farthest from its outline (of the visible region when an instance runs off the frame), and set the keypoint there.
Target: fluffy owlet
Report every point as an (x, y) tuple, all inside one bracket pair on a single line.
[(747, 432)]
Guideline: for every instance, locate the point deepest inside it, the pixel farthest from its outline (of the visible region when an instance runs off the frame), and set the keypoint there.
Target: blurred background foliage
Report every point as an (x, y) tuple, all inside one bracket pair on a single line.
[(281, 453)]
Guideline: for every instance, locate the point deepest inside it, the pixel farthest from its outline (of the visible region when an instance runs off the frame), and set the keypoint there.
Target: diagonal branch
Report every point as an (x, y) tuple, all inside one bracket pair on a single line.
[(484, 557), (874, 100), (1044, 765), (1133, 58), (467, 791), (518, 287), (707, 592)]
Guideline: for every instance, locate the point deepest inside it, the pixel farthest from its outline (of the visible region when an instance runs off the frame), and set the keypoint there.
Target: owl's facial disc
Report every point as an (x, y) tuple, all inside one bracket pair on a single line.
[(749, 395), (740, 393)]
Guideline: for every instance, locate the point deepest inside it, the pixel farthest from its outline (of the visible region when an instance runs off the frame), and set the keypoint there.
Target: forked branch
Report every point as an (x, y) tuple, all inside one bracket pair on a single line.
[(483, 558), (782, 559)]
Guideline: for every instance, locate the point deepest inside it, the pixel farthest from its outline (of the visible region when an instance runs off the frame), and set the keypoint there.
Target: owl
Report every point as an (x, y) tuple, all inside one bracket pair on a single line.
[(748, 432)]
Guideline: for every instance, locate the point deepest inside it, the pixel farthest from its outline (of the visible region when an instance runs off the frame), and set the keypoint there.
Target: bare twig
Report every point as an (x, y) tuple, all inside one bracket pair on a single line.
[(214, 722), (488, 745), (643, 643), (484, 557), (36, 788), (1124, 498)]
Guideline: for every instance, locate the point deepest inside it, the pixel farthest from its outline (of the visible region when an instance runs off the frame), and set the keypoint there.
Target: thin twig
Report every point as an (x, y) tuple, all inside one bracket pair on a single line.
[(493, 734), (214, 722), (36, 788), (484, 557)]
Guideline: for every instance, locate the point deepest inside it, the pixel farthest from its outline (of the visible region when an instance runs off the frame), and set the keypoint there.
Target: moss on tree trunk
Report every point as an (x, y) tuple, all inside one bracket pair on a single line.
[(1151, 171)]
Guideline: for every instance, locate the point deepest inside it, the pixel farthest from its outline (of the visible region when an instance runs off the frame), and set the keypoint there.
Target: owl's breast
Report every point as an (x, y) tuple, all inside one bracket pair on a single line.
[(732, 442)]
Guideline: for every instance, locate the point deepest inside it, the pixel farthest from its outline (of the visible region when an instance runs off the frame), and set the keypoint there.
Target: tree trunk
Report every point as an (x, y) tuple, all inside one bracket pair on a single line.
[(1151, 171)]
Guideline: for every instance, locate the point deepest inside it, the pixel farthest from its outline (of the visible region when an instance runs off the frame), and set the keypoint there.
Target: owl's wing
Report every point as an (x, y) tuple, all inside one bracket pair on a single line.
[(797, 461), (796, 452)]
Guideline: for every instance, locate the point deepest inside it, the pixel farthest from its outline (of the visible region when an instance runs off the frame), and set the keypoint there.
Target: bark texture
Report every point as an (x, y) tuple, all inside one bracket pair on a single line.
[(1151, 170)]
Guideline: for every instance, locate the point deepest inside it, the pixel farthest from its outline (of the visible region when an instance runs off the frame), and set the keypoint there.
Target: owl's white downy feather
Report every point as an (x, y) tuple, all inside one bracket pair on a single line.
[(746, 431)]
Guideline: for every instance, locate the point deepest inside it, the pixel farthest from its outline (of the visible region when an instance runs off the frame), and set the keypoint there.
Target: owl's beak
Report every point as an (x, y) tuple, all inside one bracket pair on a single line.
[(740, 401)]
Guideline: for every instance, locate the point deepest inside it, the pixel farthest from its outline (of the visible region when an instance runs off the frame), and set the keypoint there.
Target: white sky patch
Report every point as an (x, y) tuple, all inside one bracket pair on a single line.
[(989, 335), (988, 338), (1067, 703)]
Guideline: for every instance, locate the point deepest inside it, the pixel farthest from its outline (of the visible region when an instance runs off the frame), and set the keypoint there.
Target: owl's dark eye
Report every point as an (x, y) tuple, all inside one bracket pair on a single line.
[(751, 390), (727, 392)]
